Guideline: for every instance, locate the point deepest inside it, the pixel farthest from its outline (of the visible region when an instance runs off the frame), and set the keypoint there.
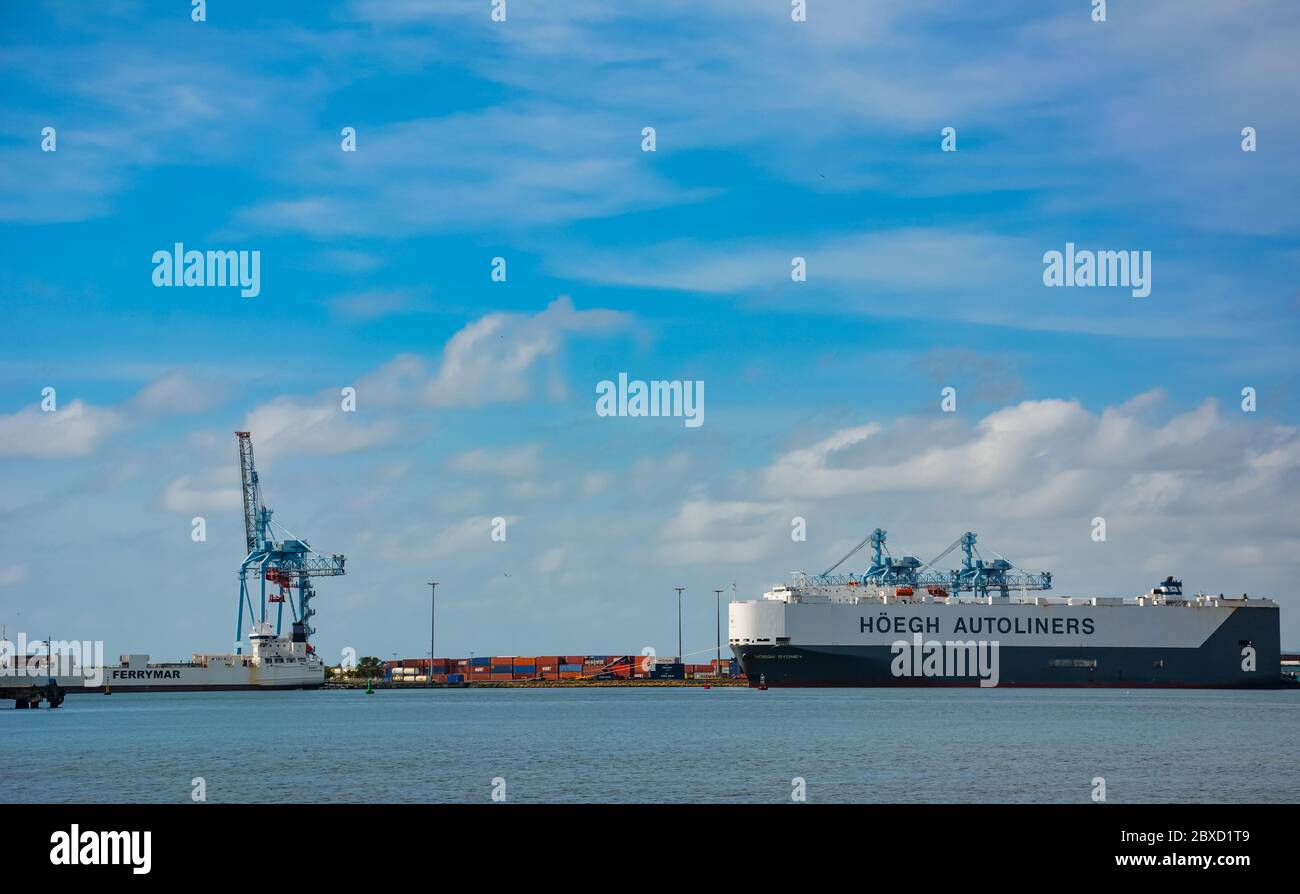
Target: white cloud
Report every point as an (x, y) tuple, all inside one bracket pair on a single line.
[(909, 259), (721, 531), (552, 560), (514, 165), (74, 429), (492, 359), (419, 543), (177, 392), (498, 358), (375, 303), (511, 462), (286, 426), (1177, 493), (183, 496)]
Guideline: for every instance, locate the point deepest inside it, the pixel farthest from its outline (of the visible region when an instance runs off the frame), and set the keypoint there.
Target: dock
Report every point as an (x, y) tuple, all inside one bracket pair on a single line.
[(31, 695), (539, 684)]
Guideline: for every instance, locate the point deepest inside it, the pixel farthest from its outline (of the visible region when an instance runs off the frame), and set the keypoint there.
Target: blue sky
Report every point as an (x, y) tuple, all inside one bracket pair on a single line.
[(522, 139)]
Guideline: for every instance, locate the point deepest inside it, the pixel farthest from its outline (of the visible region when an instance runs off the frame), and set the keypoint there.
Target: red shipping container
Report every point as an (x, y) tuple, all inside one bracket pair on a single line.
[(525, 660), (570, 675), (573, 659), (503, 676)]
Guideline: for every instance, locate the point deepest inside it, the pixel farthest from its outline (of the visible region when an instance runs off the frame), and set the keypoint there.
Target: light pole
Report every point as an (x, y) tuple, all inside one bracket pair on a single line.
[(433, 622), (679, 623), (717, 669)]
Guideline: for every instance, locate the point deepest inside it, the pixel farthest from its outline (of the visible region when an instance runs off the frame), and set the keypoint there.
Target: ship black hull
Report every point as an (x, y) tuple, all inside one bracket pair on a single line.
[(1215, 664)]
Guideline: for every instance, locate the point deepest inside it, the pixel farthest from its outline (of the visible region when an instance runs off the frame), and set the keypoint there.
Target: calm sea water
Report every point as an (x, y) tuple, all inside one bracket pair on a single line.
[(657, 745)]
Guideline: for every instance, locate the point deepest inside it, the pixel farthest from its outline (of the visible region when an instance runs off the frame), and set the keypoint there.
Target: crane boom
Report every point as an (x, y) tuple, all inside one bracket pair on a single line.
[(977, 575), (252, 493)]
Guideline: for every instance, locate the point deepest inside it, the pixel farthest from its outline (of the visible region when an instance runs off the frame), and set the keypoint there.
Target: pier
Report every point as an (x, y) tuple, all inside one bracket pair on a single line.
[(32, 695)]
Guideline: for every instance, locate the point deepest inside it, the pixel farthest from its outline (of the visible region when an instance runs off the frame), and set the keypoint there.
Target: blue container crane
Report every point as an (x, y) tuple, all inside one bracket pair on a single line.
[(289, 563)]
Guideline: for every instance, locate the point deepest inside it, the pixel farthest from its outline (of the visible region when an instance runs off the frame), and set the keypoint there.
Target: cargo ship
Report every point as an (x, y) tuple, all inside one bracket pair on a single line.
[(906, 623), (276, 575), (274, 662)]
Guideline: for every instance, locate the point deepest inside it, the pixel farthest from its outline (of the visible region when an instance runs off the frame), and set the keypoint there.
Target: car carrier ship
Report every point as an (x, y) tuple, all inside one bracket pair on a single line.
[(274, 660), (906, 623)]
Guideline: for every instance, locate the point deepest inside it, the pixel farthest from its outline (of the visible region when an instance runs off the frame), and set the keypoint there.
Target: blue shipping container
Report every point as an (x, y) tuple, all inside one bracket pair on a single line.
[(570, 668), (455, 678), (528, 669), (480, 662), (672, 671), (503, 668)]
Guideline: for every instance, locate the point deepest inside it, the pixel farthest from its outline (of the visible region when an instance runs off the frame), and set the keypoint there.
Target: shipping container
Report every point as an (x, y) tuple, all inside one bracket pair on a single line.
[(570, 668), (524, 660), (481, 662), (572, 659), (455, 678), (668, 671), (503, 659), (569, 675), (529, 670), (505, 676), (502, 668)]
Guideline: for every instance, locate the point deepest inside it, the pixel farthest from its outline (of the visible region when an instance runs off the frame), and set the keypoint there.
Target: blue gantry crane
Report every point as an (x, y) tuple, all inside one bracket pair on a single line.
[(977, 574), (288, 564)]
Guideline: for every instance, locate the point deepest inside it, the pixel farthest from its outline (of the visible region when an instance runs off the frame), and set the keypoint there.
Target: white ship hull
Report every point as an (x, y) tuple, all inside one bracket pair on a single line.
[(274, 662)]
